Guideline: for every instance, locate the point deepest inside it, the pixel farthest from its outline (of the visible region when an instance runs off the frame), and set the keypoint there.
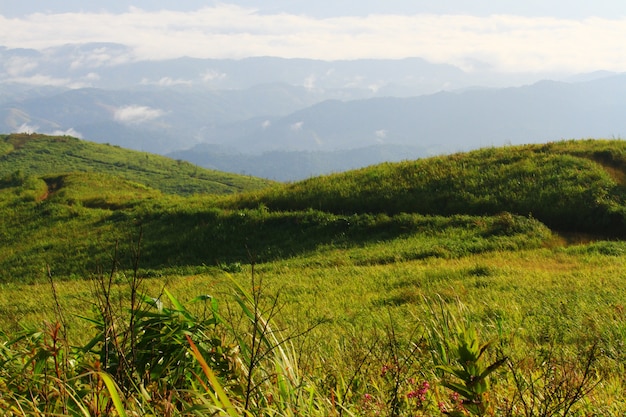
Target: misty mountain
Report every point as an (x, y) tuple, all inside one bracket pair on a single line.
[(113, 66), (292, 118), (157, 120), (335, 136), (453, 121), (295, 165)]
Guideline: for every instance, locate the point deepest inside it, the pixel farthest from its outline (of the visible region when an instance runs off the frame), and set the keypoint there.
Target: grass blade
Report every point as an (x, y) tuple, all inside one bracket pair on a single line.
[(221, 394), (115, 397)]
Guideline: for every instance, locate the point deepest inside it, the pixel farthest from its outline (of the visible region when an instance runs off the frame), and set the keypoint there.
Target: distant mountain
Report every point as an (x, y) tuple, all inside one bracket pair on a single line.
[(156, 120), (292, 118), (296, 165), (452, 121), (113, 66)]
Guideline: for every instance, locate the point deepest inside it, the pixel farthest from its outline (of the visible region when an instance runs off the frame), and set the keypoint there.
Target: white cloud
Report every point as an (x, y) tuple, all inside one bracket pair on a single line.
[(136, 114), (92, 76), (309, 82), (166, 82), (296, 126), (99, 57), (68, 132), (505, 42), (212, 75), (381, 134), (41, 79), (17, 66), (26, 128), (266, 124)]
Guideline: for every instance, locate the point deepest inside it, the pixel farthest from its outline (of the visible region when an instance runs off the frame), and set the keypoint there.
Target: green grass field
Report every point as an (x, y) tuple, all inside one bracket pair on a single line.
[(364, 293)]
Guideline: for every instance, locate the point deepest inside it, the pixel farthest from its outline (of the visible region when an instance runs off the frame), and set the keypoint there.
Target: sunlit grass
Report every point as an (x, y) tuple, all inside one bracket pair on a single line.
[(362, 266)]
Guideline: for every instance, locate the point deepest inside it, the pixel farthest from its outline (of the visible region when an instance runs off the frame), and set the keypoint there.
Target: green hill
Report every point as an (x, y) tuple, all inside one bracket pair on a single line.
[(383, 277), (490, 199), (41, 155), (569, 185)]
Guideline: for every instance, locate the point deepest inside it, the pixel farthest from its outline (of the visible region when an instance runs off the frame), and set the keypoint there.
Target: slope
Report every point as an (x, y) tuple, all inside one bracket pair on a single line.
[(40, 155), (569, 185), (496, 199)]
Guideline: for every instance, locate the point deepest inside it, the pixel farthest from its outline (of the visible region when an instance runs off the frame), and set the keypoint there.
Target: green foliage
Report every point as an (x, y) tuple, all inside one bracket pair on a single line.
[(384, 214), (467, 367), (72, 223)]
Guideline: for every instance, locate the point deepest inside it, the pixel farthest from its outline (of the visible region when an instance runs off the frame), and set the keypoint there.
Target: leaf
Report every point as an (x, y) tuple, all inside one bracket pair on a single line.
[(459, 373), (493, 367), (112, 388), (460, 389)]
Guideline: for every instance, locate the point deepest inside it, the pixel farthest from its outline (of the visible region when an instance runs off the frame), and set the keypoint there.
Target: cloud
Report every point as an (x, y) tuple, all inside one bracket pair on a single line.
[(166, 82), (266, 124), (103, 56), (26, 128), (42, 79), (68, 132), (136, 114), (381, 134), (309, 82), (296, 127), (504, 42), (213, 75), (16, 66), (92, 76)]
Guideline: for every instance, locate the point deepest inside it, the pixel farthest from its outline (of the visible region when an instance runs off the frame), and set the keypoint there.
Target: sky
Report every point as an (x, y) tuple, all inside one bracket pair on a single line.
[(566, 36)]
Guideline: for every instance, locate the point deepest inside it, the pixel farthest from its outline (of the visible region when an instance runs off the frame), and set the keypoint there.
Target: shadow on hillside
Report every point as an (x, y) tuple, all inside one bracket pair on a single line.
[(213, 238)]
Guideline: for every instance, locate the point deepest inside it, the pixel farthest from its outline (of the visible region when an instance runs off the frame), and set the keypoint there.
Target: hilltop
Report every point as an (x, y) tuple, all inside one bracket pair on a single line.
[(490, 199), (42, 155), (575, 185)]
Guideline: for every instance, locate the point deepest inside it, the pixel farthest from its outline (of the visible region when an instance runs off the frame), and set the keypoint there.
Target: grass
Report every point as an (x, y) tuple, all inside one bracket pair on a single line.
[(531, 300), (40, 155), (343, 294), (547, 182)]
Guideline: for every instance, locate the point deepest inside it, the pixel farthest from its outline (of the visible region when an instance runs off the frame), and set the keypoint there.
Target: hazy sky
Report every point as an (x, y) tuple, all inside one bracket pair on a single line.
[(521, 35)]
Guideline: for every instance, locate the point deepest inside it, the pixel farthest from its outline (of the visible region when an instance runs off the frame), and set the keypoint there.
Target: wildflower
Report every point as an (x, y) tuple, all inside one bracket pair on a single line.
[(420, 393), (368, 397)]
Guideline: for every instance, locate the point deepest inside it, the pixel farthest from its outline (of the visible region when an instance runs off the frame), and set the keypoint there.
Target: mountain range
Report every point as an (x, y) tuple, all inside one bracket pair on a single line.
[(287, 119)]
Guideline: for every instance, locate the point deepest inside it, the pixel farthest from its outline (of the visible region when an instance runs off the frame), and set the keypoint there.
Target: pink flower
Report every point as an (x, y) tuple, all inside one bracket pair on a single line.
[(420, 393), (385, 369)]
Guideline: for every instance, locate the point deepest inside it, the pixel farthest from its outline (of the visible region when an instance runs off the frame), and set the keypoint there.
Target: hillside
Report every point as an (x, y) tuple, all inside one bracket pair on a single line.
[(41, 155), (568, 185), (487, 200), (364, 275)]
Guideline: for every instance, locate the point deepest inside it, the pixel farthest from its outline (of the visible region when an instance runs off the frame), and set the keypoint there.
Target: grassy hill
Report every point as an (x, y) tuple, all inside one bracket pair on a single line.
[(486, 200), (569, 185), (40, 155), (379, 268)]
